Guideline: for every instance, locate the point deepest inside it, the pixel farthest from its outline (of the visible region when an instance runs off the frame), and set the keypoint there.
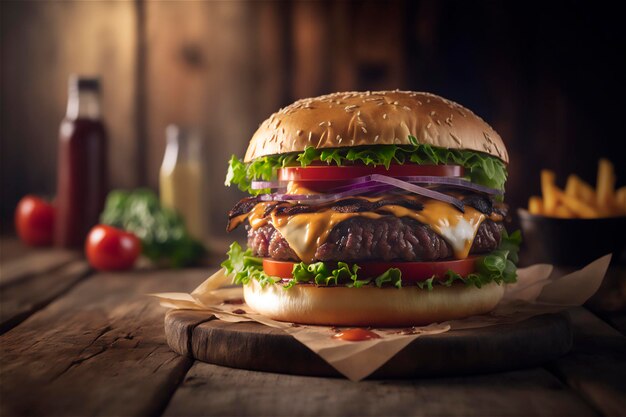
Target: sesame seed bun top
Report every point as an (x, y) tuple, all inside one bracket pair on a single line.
[(374, 118)]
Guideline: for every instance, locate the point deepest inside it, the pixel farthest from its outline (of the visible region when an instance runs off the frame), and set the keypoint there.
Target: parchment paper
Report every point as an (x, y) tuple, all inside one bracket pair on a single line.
[(537, 291)]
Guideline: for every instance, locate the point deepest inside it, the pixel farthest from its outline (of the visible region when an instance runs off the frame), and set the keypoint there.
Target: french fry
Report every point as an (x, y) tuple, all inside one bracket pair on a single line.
[(605, 185), (578, 188), (547, 189), (535, 205), (578, 207), (572, 186), (586, 193), (563, 212), (579, 199)]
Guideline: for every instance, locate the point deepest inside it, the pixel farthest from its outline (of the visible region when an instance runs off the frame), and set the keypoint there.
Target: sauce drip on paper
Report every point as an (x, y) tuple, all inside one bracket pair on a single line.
[(355, 335)]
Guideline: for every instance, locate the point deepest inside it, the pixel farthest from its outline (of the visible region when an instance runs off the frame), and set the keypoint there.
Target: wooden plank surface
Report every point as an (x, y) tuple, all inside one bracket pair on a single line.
[(24, 297), (596, 366), (29, 262), (213, 390), (98, 350), (11, 249)]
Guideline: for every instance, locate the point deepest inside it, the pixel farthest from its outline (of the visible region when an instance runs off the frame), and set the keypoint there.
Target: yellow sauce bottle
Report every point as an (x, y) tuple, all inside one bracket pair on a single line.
[(181, 180)]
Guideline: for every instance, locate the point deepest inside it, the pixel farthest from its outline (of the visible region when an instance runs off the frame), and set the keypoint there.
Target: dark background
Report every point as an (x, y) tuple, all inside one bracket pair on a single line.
[(549, 76)]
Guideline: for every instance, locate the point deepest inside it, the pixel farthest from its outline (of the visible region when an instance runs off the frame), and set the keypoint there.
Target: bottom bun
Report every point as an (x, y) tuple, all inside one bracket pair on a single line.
[(370, 306)]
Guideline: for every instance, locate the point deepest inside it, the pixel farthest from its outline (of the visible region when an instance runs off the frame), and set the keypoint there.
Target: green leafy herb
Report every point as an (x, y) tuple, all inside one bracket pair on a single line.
[(162, 232), (480, 168)]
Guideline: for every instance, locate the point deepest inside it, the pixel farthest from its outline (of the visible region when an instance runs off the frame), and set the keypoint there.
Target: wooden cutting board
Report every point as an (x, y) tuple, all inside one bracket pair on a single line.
[(250, 345)]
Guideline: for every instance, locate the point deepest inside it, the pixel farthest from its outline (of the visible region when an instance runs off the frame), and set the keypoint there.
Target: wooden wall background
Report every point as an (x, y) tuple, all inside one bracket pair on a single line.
[(549, 76)]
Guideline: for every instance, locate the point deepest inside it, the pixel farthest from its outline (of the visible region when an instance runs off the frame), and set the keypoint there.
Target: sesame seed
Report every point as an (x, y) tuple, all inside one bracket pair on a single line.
[(406, 108), (352, 142), (385, 116), (363, 129), (438, 122), (420, 103), (339, 139), (429, 125), (299, 132), (395, 103), (432, 113), (455, 138), (310, 136), (376, 138)]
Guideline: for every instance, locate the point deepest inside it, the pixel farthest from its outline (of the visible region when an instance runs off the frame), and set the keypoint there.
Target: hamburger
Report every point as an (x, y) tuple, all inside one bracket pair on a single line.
[(372, 209)]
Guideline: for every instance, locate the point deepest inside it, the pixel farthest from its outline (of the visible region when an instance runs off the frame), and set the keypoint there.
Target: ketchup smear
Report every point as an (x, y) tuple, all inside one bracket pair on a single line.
[(355, 335)]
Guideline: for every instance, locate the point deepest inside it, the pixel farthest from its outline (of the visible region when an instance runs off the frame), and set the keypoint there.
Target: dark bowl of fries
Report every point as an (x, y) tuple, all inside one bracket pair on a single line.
[(577, 225)]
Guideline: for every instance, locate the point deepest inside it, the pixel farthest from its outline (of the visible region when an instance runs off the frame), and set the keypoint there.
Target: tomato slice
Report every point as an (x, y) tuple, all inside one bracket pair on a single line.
[(335, 173), (420, 271), (280, 269), (411, 271)]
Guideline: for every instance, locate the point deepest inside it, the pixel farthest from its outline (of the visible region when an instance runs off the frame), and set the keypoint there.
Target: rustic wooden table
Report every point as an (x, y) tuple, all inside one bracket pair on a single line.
[(76, 342)]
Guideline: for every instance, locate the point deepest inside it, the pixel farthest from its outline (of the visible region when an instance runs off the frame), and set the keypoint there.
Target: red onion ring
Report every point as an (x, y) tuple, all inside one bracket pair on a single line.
[(376, 183), (452, 181)]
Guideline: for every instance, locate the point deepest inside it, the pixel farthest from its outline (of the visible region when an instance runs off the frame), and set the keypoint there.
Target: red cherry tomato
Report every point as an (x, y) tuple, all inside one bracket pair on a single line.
[(34, 221), (110, 249), (411, 271)]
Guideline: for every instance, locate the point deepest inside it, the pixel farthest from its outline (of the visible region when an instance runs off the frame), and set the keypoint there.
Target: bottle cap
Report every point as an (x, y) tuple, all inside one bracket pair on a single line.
[(79, 82)]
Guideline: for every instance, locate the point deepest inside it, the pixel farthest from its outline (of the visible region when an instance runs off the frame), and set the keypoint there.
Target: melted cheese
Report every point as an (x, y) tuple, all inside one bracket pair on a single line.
[(306, 232), (256, 217), (456, 228)]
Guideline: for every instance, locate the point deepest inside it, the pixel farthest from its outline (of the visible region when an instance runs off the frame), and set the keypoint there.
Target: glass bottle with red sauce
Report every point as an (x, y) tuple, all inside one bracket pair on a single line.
[(82, 164)]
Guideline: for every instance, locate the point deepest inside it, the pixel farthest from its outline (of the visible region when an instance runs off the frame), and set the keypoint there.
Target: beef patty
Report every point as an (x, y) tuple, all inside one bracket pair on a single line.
[(387, 238)]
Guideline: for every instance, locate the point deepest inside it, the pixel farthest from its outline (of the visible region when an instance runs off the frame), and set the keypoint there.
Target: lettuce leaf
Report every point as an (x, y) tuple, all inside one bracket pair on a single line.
[(246, 267), (392, 276), (498, 266), (480, 168)]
